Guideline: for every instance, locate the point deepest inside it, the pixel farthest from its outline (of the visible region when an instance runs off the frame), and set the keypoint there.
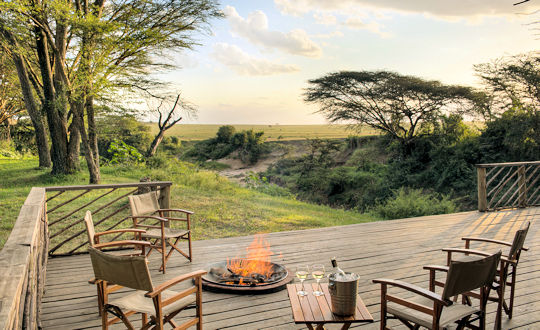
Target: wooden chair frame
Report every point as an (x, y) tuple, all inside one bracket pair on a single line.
[(507, 273), (160, 243), (159, 319), (94, 241), (438, 302)]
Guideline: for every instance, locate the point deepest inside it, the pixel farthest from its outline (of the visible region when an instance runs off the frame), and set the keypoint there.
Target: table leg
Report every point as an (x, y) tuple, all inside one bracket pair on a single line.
[(320, 326), (346, 325), (309, 326)]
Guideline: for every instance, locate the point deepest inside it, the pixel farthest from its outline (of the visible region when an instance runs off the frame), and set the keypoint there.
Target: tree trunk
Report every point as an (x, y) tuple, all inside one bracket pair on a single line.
[(31, 105), (78, 118), (155, 143), (57, 126)]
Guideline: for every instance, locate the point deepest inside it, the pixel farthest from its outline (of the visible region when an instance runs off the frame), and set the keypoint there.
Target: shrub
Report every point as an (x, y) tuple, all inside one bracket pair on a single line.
[(125, 128), (123, 153), (255, 182), (408, 203)]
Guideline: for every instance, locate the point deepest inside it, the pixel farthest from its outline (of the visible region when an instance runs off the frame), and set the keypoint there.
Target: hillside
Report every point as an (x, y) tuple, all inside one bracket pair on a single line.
[(222, 208)]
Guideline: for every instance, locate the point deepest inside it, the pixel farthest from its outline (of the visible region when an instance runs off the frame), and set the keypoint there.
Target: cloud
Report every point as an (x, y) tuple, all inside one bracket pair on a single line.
[(255, 29), (359, 24), (241, 62), (441, 9), (325, 18)]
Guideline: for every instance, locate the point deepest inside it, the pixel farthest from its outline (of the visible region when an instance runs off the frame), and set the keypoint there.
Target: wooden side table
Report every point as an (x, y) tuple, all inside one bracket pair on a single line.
[(313, 310)]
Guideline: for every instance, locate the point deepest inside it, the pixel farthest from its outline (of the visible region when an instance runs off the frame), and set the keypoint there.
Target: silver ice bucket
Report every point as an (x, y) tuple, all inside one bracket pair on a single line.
[(343, 292)]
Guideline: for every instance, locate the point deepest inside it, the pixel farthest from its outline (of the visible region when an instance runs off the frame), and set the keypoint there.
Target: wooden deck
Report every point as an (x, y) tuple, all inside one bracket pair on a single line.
[(392, 249)]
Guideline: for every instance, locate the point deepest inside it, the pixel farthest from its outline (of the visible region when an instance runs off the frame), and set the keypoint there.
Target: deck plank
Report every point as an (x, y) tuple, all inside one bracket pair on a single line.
[(393, 249)]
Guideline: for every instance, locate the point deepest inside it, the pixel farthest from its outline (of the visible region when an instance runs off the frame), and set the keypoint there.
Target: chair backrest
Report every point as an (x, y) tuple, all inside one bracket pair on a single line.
[(464, 276), (144, 204), (128, 271), (519, 240), (90, 231)]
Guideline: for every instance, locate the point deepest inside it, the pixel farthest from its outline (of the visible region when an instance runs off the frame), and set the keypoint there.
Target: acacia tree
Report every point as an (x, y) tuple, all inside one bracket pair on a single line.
[(511, 82), (86, 50), (18, 76), (404, 107)]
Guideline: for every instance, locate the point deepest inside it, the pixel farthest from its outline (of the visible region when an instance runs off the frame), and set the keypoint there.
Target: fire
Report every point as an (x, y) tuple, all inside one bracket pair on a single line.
[(257, 260)]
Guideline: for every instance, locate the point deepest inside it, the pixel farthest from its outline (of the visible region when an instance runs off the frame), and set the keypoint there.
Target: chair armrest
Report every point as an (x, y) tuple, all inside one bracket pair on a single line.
[(127, 230), (415, 289), (437, 268), (157, 290), (175, 210), (121, 243), (177, 219), (488, 240), (148, 217), (478, 253), (467, 251)]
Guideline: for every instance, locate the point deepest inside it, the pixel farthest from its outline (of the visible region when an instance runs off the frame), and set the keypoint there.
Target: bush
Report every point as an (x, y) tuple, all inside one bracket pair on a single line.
[(249, 144), (123, 154), (253, 181), (408, 203), (125, 128)]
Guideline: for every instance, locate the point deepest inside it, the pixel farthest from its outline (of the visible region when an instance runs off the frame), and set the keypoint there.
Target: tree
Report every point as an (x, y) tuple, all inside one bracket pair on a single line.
[(404, 107), (87, 51), (167, 119), (15, 75), (512, 81)]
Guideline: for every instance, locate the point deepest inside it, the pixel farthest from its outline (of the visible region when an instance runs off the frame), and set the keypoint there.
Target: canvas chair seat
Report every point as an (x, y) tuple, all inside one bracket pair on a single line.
[(168, 233), (449, 314), (139, 303)]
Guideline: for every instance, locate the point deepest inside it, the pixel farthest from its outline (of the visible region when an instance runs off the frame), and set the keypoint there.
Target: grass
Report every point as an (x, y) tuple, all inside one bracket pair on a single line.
[(222, 208), (192, 132)]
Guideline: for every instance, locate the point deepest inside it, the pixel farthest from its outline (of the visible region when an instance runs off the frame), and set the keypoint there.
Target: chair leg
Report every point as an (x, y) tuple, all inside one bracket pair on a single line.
[(104, 319), (512, 292), (163, 259), (189, 243), (383, 306), (144, 319)]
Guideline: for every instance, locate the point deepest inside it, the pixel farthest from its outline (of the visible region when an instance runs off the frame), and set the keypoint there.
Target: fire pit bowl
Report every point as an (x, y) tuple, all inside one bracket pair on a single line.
[(221, 277)]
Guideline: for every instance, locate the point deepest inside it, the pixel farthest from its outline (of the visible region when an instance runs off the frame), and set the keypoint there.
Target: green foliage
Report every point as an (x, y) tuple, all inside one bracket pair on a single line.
[(23, 137), (125, 128), (321, 175), (256, 182), (225, 134), (408, 203), (122, 153), (248, 144), (514, 136)]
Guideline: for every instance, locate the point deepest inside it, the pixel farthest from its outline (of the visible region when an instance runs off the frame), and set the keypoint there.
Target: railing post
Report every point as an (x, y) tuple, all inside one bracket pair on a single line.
[(522, 187), (482, 189)]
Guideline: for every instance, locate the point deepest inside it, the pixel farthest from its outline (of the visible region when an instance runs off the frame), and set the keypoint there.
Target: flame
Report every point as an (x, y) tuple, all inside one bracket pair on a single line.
[(257, 261)]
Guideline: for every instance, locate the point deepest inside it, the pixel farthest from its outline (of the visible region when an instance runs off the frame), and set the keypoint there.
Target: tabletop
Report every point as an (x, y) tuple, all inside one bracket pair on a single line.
[(313, 309)]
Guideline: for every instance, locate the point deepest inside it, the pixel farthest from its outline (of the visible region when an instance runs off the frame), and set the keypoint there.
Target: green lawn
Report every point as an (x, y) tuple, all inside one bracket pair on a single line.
[(222, 208), (189, 132)]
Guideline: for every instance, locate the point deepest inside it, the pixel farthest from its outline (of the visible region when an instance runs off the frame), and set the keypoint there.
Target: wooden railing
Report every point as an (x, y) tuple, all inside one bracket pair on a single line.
[(508, 185), (22, 265), (109, 206)]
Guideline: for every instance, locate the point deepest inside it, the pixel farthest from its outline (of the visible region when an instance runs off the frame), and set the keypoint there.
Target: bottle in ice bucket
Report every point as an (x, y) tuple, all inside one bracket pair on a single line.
[(343, 289)]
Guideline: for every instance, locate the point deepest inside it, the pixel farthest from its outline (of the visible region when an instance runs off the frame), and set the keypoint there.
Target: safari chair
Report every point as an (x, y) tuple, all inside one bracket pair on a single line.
[(507, 271), (438, 311), (157, 304), (94, 241), (143, 207)]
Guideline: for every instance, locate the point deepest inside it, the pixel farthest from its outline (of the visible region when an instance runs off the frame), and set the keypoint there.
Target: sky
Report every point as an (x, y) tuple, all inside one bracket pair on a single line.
[(254, 65)]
